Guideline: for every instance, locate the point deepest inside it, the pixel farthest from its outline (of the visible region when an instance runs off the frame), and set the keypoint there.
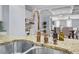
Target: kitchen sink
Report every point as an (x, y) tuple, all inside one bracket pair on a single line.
[(26, 47), (43, 50)]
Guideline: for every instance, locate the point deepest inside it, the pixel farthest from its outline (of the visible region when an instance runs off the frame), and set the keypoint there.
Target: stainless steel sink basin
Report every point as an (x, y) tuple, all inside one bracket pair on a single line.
[(26, 47), (44, 50), (15, 47), (6, 48)]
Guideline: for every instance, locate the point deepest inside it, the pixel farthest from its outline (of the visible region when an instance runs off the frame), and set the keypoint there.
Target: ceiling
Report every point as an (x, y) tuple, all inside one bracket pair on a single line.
[(75, 9), (44, 7), (55, 10)]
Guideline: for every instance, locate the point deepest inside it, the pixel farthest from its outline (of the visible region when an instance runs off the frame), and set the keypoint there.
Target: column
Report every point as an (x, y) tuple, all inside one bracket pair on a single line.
[(16, 20)]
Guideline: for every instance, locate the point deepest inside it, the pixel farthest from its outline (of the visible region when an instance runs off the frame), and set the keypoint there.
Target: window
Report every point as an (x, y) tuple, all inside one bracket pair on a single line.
[(1, 26), (57, 23), (69, 23)]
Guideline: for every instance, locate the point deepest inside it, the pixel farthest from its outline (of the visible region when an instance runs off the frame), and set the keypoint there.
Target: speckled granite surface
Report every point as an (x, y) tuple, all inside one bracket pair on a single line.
[(66, 45)]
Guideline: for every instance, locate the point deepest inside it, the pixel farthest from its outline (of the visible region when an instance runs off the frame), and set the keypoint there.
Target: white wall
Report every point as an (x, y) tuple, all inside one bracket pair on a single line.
[(75, 23), (28, 14), (16, 20), (0, 13)]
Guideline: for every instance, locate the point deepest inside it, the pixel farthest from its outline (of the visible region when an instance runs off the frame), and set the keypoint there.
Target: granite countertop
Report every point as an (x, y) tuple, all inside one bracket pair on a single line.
[(68, 45)]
